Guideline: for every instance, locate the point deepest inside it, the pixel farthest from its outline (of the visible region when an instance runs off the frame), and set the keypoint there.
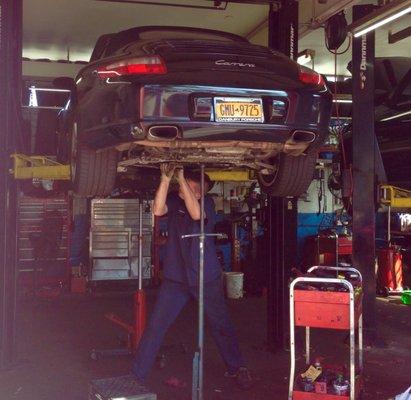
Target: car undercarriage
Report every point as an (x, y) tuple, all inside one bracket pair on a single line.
[(253, 155)]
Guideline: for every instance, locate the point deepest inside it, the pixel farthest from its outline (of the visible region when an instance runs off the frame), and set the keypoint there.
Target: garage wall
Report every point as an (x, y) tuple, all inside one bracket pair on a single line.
[(310, 220), (50, 69)]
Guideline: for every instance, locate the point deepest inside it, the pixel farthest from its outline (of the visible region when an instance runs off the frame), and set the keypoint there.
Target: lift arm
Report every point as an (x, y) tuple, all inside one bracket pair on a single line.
[(41, 167), (394, 197), (235, 175)]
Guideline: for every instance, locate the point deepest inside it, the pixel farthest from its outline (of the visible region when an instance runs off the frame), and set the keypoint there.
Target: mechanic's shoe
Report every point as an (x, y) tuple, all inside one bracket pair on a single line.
[(243, 378)]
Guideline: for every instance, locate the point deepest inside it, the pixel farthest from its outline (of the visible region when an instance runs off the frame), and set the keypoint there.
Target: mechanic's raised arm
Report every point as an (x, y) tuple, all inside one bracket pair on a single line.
[(159, 206), (190, 199)]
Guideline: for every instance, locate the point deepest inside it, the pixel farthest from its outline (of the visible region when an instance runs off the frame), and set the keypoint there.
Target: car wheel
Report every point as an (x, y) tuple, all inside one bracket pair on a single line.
[(291, 177), (93, 173)]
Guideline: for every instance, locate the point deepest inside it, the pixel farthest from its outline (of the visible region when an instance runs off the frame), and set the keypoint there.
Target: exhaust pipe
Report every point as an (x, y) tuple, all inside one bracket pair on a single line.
[(303, 137), (163, 132)]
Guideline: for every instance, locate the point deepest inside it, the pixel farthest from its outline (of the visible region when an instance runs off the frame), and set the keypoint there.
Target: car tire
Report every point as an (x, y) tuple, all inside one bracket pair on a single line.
[(93, 173), (292, 177)]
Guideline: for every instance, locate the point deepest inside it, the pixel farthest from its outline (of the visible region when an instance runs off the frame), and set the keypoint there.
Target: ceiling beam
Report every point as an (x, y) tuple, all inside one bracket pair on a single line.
[(400, 35)]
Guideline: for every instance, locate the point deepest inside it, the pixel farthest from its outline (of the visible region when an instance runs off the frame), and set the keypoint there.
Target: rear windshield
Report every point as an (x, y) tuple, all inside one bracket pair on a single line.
[(121, 39)]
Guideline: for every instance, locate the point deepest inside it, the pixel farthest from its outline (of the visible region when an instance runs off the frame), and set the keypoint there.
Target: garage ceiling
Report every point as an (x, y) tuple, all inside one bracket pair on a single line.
[(324, 60), (314, 39), (50, 27), (68, 29)]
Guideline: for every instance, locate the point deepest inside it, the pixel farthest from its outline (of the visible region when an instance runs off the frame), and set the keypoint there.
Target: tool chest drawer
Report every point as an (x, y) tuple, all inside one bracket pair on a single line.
[(319, 309)]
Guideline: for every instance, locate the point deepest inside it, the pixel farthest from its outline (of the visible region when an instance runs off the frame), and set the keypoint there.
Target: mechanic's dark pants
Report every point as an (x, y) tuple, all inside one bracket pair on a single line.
[(171, 299)]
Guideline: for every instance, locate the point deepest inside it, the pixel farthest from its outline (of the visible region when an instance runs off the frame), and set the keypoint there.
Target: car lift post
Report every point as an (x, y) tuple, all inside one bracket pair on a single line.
[(364, 187), (11, 12), (283, 36)]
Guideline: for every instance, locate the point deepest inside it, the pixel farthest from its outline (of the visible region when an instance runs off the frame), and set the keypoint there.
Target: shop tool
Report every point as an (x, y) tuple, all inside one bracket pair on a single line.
[(198, 360)]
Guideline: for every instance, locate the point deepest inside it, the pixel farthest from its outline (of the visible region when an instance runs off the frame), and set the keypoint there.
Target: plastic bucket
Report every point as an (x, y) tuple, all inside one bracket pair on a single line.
[(234, 282)]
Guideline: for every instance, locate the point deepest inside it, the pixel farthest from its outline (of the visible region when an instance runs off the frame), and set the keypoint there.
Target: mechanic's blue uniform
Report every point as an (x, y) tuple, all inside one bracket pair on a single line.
[(180, 284)]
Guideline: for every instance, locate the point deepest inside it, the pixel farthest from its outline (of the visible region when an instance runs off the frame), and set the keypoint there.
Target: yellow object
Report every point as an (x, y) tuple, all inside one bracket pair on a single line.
[(40, 167), (235, 175), (395, 197), (312, 373)]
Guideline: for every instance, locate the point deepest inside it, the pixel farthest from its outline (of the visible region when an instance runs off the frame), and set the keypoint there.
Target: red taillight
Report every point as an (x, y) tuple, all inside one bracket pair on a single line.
[(310, 77), (133, 66)]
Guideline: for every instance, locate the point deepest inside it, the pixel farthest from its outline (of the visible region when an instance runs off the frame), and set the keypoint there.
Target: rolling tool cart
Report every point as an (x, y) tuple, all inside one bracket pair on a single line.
[(335, 309), (332, 247)]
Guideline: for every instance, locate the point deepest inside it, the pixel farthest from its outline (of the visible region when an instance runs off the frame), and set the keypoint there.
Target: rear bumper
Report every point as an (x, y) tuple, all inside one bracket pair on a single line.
[(143, 107)]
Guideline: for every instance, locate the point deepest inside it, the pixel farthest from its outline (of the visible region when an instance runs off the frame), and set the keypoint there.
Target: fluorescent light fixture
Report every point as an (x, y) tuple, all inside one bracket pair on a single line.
[(342, 101), (49, 90), (380, 17), (397, 116), (342, 98)]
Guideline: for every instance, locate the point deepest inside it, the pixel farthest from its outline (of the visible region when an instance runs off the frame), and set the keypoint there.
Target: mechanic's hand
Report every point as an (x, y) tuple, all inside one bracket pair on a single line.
[(167, 171), (180, 174)]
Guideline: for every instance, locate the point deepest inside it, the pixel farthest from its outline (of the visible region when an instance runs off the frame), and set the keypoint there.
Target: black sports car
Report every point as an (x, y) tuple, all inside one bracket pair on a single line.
[(186, 95)]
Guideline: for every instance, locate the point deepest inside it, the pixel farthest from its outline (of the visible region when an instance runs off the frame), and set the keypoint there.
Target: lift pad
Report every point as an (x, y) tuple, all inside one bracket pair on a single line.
[(234, 175), (121, 387), (395, 197), (40, 167)]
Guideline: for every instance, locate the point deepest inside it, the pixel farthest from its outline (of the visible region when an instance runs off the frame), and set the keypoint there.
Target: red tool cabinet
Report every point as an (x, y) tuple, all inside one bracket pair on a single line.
[(327, 310)]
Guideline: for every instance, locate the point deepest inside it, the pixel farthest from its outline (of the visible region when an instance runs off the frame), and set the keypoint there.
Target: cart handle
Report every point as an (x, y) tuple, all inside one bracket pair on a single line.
[(339, 281), (350, 269)]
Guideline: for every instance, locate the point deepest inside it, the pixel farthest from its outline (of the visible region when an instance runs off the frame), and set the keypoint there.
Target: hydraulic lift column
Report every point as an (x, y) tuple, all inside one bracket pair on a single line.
[(283, 36), (10, 105), (364, 188)]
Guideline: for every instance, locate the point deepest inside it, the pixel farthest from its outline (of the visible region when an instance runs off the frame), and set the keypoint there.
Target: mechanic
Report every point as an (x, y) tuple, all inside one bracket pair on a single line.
[(181, 274)]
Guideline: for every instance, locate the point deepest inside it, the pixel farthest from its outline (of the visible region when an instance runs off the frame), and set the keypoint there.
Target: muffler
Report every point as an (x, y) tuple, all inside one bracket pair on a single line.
[(163, 132), (303, 136)]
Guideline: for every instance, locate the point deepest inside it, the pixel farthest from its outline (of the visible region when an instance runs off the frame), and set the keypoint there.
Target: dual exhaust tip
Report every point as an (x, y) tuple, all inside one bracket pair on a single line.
[(303, 136), (170, 132), (163, 132)]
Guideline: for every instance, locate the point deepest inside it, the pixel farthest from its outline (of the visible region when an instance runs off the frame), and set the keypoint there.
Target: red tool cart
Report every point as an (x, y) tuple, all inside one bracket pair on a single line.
[(328, 310), (332, 247)]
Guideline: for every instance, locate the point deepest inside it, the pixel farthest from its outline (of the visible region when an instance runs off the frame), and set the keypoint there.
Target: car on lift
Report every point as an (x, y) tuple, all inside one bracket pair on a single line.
[(151, 95)]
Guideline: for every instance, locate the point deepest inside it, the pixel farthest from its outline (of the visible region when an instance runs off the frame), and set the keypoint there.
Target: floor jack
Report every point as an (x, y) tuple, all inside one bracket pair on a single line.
[(135, 330)]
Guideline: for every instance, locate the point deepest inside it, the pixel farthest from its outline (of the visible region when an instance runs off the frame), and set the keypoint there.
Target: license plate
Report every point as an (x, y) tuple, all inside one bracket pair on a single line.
[(238, 109)]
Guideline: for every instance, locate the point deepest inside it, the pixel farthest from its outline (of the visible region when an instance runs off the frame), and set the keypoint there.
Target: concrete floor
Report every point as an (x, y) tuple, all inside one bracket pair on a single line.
[(54, 339)]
